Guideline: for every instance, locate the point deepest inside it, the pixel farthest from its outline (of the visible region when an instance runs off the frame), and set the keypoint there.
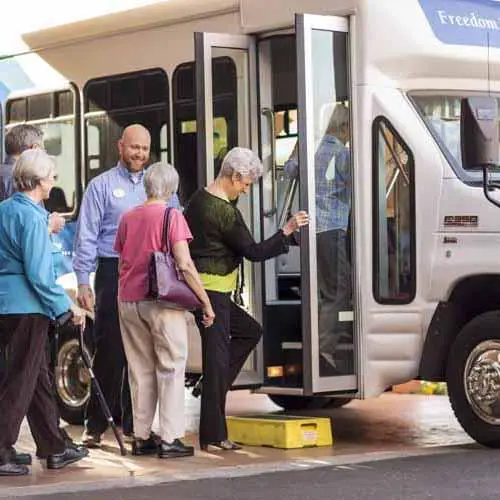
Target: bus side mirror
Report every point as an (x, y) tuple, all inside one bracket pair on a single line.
[(479, 132)]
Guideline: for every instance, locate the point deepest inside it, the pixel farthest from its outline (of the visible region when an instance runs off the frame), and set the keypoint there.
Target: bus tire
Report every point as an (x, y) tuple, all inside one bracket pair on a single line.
[(288, 402), (71, 378), (472, 372), (337, 403)]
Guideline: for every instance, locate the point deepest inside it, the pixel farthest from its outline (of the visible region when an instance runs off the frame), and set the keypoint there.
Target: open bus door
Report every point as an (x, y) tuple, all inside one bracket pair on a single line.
[(325, 187), (240, 49), (305, 73), (308, 294)]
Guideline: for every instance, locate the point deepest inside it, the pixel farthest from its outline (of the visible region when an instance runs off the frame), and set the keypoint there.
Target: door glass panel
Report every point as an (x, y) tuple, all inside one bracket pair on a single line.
[(225, 104), (394, 271), (333, 189)]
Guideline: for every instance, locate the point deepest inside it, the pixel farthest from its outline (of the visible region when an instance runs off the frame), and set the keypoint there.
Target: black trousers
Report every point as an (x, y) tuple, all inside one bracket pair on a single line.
[(335, 291), (25, 387), (110, 364), (225, 348)]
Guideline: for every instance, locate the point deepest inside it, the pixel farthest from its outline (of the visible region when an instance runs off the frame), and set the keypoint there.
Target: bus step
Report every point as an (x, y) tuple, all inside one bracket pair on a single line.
[(280, 431)]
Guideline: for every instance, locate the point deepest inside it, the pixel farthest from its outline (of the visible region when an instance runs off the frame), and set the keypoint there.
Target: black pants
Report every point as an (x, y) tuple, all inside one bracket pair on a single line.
[(225, 348), (110, 364), (335, 291), (25, 387)]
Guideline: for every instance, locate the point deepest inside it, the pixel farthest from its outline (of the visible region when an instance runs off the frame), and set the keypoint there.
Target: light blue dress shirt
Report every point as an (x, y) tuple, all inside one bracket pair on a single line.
[(107, 197), (27, 276), (6, 184), (333, 183)]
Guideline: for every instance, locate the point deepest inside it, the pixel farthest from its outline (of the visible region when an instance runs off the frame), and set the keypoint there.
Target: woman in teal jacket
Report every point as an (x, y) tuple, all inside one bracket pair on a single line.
[(29, 299)]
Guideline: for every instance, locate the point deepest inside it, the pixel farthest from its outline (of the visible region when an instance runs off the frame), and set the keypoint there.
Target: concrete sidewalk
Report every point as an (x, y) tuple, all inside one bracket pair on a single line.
[(388, 427)]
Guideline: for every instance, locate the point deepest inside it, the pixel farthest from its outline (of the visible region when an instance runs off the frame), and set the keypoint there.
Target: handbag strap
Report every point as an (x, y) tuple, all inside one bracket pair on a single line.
[(166, 231)]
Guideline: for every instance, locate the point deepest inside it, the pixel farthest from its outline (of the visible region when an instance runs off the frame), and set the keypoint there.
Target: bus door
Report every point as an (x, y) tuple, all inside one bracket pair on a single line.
[(239, 50), (305, 101), (303, 299)]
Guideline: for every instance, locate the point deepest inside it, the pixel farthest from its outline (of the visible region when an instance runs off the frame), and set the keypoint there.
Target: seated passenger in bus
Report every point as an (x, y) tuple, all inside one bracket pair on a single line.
[(221, 242), (154, 333), (333, 205), (29, 299)]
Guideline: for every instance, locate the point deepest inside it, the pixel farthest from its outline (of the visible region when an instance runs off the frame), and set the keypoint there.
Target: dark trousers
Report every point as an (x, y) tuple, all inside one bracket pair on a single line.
[(110, 364), (25, 387), (334, 283), (225, 348)]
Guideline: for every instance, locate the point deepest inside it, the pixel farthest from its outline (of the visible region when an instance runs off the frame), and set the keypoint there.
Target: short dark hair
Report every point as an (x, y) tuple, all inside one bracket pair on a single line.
[(22, 137)]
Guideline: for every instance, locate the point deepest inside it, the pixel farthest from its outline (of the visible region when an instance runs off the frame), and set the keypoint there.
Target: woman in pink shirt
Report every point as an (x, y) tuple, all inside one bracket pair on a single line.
[(155, 335)]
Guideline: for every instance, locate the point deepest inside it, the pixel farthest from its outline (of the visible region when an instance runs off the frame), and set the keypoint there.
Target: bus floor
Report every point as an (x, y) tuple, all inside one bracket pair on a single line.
[(393, 425)]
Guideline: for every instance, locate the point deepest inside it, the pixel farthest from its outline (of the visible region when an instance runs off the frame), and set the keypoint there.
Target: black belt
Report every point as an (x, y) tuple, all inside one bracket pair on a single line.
[(107, 259)]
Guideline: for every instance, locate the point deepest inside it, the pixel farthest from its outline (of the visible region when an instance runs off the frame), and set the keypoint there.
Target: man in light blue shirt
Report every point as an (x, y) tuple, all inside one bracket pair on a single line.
[(108, 196), (333, 184)]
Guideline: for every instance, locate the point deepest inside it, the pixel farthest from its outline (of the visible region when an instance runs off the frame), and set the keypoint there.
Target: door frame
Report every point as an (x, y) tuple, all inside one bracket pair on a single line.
[(204, 43), (305, 24)]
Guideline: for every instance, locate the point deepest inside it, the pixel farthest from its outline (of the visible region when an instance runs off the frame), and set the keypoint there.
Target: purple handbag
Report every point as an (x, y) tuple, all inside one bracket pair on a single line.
[(166, 282)]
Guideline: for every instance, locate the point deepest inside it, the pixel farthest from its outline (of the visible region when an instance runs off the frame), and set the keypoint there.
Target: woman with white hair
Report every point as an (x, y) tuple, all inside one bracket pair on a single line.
[(155, 334), (221, 242), (29, 299)]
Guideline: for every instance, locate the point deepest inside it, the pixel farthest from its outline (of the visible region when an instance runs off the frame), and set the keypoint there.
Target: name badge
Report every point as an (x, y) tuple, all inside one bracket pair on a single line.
[(119, 193)]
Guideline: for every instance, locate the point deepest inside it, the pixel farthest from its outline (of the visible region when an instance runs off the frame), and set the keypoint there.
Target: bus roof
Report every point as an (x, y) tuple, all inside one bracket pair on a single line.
[(410, 44)]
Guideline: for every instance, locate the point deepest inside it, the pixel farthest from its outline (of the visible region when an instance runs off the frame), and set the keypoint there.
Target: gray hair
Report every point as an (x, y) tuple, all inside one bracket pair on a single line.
[(161, 181), (339, 118), (22, 137), (32, 166), (243, 162)]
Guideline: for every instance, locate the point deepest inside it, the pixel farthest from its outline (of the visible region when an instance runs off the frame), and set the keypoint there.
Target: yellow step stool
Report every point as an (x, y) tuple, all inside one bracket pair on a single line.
[(280, 431)]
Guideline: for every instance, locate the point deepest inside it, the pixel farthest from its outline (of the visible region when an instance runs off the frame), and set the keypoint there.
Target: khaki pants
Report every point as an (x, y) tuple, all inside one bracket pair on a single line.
[(155, 341)]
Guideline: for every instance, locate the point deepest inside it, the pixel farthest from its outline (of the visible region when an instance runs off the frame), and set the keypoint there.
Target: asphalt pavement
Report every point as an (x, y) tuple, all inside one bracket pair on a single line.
[(464, 472)]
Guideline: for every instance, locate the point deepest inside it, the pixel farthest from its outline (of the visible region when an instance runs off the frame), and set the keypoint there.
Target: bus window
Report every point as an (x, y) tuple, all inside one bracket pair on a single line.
[(112, 103), (394, 220), (225, 119), (54, 113)]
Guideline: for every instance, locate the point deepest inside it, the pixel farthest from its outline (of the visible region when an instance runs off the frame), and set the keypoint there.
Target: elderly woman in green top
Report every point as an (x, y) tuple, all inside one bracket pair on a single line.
[(221, 240)]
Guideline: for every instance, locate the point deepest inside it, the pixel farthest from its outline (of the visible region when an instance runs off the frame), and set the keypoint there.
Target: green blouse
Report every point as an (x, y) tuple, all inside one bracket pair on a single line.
[(221, 240)]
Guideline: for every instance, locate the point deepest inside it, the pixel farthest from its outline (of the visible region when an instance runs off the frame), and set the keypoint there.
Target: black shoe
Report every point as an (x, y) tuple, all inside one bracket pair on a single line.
[(10, 469), (19, 458), (225, 445), (144, 446), (174, 449), (68, 443), (67, 457)]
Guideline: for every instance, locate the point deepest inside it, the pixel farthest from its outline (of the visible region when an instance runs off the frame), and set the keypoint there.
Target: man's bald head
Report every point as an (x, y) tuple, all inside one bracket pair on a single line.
[(134, 147)]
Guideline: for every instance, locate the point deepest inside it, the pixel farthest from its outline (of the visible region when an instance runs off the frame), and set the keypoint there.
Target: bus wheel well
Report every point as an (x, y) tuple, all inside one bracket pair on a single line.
[(471, 297)]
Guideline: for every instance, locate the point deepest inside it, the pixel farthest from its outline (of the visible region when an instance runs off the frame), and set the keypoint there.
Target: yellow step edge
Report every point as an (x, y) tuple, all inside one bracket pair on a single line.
[(280, 431)]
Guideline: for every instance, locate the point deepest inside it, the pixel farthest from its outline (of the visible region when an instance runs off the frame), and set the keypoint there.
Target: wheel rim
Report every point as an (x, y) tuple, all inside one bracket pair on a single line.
[(72, 378), (482, 381)]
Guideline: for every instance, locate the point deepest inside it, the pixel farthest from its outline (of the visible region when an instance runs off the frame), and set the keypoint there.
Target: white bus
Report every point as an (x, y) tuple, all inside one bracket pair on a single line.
[(206, 75)]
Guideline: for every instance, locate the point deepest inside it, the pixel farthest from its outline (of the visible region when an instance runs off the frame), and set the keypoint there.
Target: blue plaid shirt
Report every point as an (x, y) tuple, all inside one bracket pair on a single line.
[(333, 183)]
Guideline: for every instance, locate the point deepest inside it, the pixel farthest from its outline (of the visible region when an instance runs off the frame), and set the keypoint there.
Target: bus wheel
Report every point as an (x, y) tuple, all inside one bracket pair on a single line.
[(473, 376), (337, 402), (307, 402), (71, 379)]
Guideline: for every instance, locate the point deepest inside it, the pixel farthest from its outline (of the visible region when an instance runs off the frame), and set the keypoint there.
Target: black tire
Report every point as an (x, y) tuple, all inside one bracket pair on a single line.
[(307, 402), (483, 328), (338, 403), (71, 378)]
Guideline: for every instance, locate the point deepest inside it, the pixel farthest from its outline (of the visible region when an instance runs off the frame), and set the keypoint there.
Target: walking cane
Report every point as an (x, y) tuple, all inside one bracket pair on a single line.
[(98, 391), (95, 384)]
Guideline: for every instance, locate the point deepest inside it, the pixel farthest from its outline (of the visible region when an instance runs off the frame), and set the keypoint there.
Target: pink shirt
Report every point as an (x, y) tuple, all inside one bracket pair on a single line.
[(139, 235)]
